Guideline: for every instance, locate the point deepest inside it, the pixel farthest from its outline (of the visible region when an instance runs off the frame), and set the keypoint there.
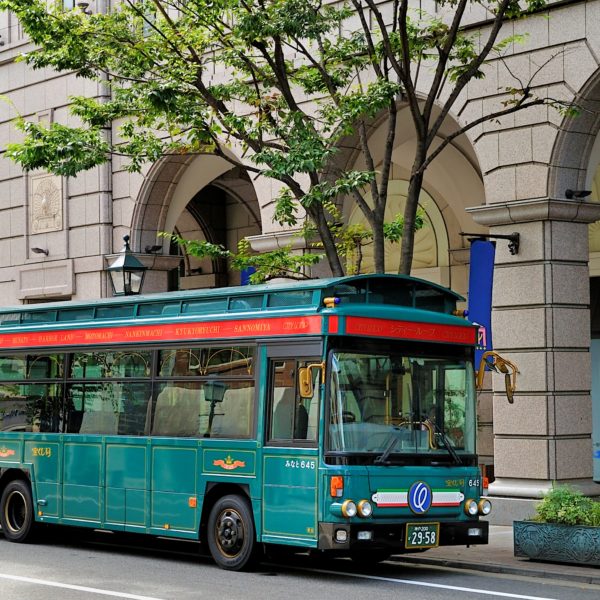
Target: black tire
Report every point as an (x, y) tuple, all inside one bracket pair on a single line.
[(16, 512), (231, 534)]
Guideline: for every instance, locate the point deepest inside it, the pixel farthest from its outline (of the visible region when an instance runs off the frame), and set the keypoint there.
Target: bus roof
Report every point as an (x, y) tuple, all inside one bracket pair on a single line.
[(396, 290), (391, 306)]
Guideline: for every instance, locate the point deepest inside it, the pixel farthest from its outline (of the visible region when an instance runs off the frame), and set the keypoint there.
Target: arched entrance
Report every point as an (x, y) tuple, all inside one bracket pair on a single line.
[(200, 198), (452, 183)]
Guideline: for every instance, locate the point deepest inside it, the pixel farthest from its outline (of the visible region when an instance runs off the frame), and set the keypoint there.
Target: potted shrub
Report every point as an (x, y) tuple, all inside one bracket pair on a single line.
[(565, 528)]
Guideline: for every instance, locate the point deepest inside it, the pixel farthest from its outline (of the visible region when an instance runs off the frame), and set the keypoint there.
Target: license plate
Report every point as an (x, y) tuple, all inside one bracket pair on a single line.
[(422, 535)]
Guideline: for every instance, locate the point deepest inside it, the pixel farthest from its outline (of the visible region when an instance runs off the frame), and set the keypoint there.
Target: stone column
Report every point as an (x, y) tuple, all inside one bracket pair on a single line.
[(541, 322)]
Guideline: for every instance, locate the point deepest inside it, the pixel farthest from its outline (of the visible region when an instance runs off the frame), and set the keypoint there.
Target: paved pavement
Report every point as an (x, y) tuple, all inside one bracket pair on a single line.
[(498, 557)]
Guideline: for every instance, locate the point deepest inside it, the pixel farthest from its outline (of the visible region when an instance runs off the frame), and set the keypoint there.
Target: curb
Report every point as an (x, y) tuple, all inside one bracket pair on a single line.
[(535, 570)]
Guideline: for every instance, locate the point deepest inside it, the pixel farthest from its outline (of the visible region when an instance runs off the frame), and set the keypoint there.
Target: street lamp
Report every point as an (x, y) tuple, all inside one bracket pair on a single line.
[(126, 273)]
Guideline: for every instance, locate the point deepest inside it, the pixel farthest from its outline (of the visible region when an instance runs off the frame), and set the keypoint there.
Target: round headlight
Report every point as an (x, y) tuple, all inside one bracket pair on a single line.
[(471, 507), (485, 506), (349, 509), (364, 509)]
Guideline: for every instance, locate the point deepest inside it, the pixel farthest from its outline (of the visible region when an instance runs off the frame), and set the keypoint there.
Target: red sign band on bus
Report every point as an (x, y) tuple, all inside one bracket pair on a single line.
[(276, 326), (432, 332)]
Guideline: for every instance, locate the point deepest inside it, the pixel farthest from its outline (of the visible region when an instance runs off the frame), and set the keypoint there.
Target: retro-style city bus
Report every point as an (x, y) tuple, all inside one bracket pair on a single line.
[(332, 415)]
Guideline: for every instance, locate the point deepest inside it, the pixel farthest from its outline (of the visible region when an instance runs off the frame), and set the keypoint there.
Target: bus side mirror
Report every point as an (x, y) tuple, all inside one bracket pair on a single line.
[(305, 379), (494, 362)]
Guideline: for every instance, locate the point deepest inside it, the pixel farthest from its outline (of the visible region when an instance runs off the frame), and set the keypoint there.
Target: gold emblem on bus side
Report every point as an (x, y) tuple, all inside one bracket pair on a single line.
[(6, 452), (46, 452), (228, 464)]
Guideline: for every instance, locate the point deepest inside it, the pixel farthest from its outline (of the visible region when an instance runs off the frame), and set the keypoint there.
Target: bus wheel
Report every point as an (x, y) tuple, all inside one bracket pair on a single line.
[(16, 512), (231, 535)]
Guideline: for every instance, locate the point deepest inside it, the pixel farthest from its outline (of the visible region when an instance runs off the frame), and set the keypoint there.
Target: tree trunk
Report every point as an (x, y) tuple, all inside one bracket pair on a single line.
[(410, 213), (331, 253), (378, 244)]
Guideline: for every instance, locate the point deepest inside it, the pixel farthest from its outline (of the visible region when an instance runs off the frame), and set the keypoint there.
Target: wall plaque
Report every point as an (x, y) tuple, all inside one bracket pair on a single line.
[(46, 207)]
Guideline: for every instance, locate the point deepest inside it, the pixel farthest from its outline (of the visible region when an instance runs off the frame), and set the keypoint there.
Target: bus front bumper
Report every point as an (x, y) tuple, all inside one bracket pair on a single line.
[(392, 537)]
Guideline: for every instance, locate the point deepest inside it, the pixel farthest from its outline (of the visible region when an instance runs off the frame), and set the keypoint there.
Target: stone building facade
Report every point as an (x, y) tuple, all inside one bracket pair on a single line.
[(57, 234)]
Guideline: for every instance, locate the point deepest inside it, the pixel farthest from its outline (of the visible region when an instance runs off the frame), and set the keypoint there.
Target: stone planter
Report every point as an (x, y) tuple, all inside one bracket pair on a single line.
[(557, 543)]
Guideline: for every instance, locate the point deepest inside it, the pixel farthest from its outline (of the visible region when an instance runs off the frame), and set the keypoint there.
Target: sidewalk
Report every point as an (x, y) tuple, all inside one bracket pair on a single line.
[(498, 557)]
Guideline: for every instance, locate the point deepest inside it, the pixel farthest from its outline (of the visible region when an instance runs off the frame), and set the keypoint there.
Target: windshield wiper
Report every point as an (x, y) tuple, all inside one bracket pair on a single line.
[(382, 459), (447, 443)]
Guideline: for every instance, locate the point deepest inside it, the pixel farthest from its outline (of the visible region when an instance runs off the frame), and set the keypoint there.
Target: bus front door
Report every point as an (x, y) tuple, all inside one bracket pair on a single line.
[(290, 458)]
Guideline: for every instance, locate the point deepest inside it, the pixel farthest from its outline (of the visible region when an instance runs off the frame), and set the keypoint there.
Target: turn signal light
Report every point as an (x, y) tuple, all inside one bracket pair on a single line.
[(336, 486)]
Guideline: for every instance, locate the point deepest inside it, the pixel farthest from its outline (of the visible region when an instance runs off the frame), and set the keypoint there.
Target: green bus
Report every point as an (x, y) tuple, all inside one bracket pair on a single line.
[(332, 415)]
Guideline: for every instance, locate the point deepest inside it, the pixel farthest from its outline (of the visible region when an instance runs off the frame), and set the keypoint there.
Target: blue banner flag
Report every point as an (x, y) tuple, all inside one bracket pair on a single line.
[(481, 279), (245, 275)]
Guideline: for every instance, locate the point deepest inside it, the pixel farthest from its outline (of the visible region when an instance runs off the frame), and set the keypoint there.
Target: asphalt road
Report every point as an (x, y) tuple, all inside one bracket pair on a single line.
[(85, 565)]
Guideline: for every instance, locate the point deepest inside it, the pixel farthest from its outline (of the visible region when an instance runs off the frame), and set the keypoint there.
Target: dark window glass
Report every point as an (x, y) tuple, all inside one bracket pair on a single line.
[(114, 312), (246, 303), (205, 306), (292, 417), (290, 299), (10, 319), (79, 314), (180, 362), (204, 408), (13, 367), (233, 361), (110, 365), (31, 366), (109, 408), (158, 309), (31, 407), (46, 316)]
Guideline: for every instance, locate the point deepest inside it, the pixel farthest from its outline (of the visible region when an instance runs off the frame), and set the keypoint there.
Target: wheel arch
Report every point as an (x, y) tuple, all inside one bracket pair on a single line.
[(215, 490), (10, 474)]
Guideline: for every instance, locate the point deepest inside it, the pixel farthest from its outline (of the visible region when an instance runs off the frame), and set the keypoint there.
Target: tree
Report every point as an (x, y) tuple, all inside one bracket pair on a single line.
[(298, 78)]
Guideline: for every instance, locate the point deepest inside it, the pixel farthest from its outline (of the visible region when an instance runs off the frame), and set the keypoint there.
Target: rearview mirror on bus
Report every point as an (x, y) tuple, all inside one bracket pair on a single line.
[(494, 362), (305, 379)]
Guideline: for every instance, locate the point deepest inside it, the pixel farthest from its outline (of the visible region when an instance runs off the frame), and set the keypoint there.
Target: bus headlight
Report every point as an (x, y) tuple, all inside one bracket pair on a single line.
[(484, 506), (349, 509), (365, 509), (471, 507)]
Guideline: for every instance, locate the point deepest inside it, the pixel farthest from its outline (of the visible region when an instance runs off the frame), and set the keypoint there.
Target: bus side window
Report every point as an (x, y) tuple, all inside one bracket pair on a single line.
[(292, 418), (235, 411), (177, 410)]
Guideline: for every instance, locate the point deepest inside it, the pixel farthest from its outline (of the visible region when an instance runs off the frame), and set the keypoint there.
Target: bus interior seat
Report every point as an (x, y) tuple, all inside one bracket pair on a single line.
[(233, 415), (351, 407), (177, 412), (374, 407), (100, 421)]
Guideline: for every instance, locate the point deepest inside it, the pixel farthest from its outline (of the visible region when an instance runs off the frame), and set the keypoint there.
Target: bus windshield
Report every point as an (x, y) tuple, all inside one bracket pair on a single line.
[(390, 405)]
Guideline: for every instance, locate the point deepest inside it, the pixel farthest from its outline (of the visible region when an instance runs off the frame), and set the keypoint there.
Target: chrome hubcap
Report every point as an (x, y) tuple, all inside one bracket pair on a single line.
[(230, 532)]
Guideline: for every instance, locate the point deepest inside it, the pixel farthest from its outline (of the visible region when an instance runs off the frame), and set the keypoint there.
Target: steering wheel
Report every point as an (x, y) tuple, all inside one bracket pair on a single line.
[(348, 417)]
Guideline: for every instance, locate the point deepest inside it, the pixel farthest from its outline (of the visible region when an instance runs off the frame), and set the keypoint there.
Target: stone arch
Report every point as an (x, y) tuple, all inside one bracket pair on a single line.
[(452, 183), (575, 162), (201, 197), (576, 143)]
